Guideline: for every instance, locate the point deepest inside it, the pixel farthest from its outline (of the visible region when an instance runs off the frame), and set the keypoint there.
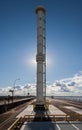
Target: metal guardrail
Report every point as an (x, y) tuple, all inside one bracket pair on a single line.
[(54, 117), (19, 122), (14, 124), (78, 117), (41, 116)]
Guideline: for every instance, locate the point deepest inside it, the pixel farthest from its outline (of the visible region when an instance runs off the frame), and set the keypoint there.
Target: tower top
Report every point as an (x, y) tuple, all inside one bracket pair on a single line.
[(40, 7)]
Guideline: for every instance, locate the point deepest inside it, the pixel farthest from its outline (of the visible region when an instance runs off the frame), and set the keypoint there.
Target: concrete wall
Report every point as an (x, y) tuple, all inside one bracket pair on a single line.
[(6, 107)]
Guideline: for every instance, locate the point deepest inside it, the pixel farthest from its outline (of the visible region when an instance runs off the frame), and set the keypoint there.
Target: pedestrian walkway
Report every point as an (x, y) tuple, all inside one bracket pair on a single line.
[(55, 111), (27, 111)]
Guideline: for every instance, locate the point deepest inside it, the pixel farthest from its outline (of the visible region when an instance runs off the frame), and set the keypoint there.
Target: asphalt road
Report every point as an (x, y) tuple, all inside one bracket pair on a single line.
[(52, 126)]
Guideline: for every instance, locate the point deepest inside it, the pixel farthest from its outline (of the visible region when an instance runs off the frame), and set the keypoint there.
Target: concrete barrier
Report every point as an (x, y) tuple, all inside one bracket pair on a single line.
[(6, 107)]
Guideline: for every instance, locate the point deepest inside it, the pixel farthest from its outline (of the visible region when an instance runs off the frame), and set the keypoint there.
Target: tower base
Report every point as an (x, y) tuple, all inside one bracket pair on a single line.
[(39, 107)]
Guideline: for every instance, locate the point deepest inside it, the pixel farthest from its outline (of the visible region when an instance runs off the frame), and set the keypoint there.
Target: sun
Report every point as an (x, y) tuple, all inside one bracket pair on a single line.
[(33, 61)]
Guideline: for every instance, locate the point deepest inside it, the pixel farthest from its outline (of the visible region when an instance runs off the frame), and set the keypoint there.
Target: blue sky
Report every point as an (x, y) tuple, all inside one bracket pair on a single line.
[(18, 33)]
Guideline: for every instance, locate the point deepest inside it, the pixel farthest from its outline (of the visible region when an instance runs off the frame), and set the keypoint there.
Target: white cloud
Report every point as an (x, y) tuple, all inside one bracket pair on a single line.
[(67, 86)]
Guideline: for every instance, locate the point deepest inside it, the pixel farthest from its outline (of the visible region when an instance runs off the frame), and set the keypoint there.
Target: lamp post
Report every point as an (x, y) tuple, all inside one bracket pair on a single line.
[(14, 84), (13, 90)]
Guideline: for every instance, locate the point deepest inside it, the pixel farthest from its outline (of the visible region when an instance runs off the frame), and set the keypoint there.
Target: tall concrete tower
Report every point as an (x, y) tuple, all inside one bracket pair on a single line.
[(41, 57)]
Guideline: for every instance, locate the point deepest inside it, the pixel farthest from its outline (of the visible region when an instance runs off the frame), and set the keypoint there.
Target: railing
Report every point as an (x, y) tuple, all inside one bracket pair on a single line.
[(52, 117), (13, 126), (19, 122)]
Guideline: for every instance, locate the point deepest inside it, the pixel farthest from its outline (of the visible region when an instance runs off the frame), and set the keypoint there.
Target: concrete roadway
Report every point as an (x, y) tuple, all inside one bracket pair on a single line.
[(52, 126)]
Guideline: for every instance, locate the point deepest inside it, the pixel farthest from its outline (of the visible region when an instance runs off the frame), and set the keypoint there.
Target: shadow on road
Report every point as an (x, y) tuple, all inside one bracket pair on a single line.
[(41, 121)]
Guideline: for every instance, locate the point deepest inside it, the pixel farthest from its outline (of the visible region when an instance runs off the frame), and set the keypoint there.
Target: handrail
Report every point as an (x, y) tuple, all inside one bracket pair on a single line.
[(14, 124), (29, 117)]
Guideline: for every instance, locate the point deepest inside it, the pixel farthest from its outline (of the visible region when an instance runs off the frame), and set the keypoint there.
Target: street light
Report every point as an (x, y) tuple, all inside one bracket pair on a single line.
[(14, 84), (13, 90)]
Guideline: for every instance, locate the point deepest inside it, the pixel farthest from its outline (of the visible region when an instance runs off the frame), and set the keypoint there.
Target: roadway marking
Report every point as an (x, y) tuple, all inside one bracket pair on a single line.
[(58, 127), (74, 126), (77, 110)]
